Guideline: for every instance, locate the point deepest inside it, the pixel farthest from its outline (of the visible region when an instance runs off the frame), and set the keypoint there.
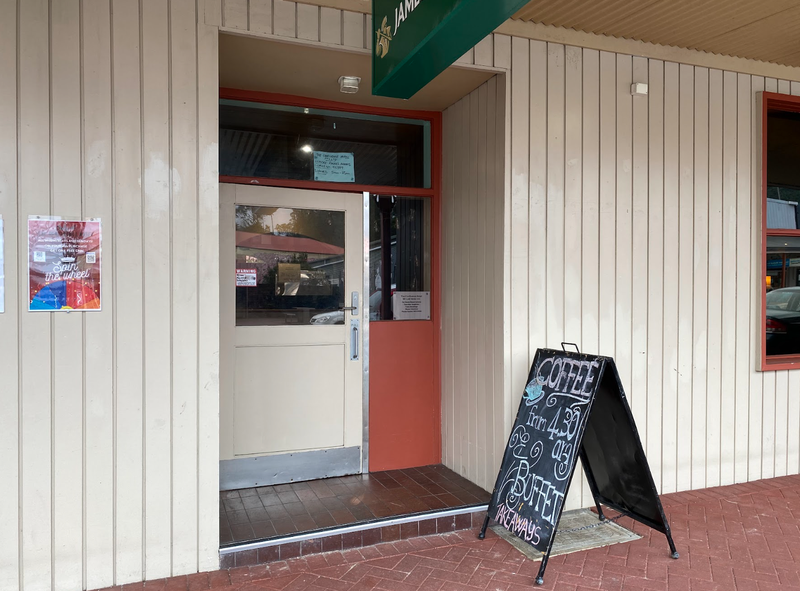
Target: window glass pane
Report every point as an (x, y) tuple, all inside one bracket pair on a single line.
[(782, 208), (783, 295), (783, 173), (283, 142), (400, 241), (289, 266)]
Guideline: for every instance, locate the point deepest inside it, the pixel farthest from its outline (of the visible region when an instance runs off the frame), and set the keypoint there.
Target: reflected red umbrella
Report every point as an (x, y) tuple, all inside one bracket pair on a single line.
[(280, 243)]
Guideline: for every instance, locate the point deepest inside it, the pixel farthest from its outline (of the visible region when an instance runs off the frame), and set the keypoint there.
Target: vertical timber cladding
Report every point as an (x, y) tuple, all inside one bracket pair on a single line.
[(416, 40), (573, 406)]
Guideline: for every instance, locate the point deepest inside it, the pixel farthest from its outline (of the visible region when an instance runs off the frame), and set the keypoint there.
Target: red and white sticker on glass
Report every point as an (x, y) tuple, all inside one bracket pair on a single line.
[(63, 264), (246, 278)]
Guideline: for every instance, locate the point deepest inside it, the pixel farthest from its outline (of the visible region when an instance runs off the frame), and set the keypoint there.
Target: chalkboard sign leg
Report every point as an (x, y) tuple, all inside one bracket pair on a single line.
[(545, 558), (483, 529), (540, 574), (672, 546), (600, 511), (667, 531)]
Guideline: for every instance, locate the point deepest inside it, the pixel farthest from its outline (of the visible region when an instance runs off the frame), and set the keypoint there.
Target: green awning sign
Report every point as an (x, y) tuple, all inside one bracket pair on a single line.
[(416, 40)]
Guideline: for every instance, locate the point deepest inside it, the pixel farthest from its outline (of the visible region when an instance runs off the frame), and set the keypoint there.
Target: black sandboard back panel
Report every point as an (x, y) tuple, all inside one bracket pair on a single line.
[(614, 452), (540, 457)]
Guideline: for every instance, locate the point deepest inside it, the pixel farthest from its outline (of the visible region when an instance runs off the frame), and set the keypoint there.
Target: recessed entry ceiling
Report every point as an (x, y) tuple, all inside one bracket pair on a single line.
[(248, 63), (766, 30)]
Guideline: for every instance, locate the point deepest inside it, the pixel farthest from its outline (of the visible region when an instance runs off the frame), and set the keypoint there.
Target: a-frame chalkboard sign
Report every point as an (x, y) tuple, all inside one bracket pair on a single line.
[(573, 406)]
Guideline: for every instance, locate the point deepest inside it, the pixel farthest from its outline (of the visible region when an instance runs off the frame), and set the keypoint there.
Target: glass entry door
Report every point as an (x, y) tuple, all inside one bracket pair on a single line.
[(291, 269)]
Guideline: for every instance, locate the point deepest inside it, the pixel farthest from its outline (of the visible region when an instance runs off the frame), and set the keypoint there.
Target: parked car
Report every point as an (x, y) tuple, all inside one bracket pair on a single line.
[(335, 317), (783, 321)]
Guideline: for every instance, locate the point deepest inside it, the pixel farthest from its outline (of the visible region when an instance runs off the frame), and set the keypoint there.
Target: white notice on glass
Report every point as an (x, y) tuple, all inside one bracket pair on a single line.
[(246, 278), (2, 271), (334, 167), (411, 305)]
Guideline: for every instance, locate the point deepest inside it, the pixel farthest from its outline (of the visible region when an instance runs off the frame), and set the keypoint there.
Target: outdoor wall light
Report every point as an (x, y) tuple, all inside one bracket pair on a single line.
[(639, 89), (307, 149), (349, 84)]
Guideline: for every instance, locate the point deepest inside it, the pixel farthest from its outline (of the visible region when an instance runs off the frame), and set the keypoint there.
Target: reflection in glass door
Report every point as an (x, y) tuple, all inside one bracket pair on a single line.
[(289, 266)]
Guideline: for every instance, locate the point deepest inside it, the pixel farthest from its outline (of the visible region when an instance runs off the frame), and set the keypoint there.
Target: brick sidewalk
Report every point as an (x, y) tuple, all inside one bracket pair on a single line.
[(736, 538)]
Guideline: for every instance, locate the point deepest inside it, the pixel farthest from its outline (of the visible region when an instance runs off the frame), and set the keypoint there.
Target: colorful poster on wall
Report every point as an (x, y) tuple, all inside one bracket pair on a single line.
[(63, 264), (2, 271)]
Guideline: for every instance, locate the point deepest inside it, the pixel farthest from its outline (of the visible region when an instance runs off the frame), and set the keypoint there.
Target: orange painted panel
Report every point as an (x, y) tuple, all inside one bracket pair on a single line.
[(404, 412)]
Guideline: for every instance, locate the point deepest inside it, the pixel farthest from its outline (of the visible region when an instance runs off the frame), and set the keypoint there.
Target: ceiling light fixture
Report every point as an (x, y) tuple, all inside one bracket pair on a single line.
[(349, 84)]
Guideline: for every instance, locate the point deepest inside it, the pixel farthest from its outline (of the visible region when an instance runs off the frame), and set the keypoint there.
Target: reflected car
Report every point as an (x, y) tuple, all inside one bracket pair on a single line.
[(335, 317), (783, 321)]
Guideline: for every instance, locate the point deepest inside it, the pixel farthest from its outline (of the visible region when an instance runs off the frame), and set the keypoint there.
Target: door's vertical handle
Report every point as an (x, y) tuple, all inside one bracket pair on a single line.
[(354, 339)]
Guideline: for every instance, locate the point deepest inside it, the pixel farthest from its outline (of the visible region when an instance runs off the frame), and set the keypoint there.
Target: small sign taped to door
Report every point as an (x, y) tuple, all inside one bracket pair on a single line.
[(411, 305), (334, 167), (246, 278)]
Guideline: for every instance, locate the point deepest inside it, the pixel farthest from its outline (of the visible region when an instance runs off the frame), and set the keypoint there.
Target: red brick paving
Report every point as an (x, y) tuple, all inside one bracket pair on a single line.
[(737, 538)]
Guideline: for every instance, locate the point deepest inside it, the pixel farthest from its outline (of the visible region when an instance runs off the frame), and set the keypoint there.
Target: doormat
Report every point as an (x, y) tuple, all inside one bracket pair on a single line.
[(578, 530)]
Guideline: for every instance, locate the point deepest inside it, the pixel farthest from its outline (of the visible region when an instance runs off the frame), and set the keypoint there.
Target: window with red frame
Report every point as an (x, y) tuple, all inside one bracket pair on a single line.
[(331, 149), (263, 140), (781, 225)]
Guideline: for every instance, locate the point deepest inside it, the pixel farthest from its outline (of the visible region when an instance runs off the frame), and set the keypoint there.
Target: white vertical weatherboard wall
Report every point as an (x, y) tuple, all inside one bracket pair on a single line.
[(633, 229), (294, 20), (473, 177), (108, 420), (306, 23)]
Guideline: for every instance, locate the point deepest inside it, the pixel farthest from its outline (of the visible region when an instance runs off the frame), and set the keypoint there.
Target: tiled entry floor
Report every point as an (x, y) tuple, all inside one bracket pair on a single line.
[(271, 511)]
